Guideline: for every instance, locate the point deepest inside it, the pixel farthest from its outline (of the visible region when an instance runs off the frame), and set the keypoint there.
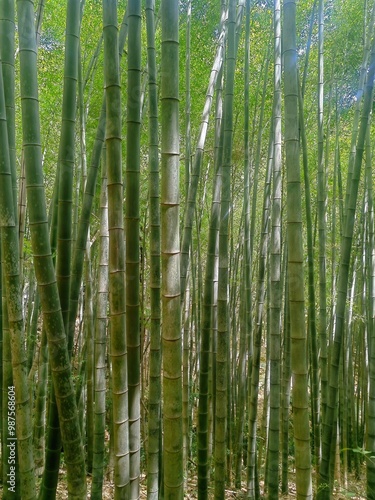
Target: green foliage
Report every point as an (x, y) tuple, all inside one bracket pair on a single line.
[(362, 452)]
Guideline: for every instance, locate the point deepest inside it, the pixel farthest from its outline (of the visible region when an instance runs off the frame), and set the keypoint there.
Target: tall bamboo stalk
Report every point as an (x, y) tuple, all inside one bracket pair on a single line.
[(66, 162), (7, 51), (170, 254), (43, 262), (313, 350), (17, 400), (208, 334), (100, 348), (322, 325), (223, 312), (254, 361), (342, 288), (154, 427), (118, 350), (196, 166), (295, 275), (370, 286), (132, 202), (87, 203), (67, 156), (275, 275)]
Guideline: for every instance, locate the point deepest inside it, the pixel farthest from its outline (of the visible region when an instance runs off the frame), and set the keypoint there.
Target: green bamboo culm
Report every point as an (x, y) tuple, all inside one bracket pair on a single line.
[(342, 288), (195, 173), (40, 405), (322, 222), (246, 319), (100, 350), (315, 399), (370, 441), (205, 407), (295, 275), (256, 341), (7, 51), (7, 48), (43, 262), (275, 274), (132, 240), (222, 303), (170, 254), (66, 159), (118, 348), (154, 402), (102, 295), (88, 199), (18, 397)]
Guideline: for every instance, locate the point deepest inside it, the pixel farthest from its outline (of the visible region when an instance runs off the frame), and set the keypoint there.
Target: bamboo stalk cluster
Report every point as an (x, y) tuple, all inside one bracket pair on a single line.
[(204, 308)]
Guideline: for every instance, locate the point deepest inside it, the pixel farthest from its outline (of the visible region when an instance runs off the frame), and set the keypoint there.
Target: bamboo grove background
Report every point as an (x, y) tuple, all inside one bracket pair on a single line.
[(187, 257)]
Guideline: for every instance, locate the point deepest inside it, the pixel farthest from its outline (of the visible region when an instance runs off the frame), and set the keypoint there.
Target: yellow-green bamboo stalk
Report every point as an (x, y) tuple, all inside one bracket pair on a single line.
[(43, 262), (223, 306), (295, 275), (133, 117), (170, 253), (118, 349), (154, 403), (17, 398)]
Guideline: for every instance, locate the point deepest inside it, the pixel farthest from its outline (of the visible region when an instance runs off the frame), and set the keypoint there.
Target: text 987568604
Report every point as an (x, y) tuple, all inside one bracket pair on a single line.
[(12, 439)]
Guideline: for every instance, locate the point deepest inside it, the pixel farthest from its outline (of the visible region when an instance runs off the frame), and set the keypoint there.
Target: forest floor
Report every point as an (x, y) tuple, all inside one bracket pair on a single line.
[(354, 490)]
